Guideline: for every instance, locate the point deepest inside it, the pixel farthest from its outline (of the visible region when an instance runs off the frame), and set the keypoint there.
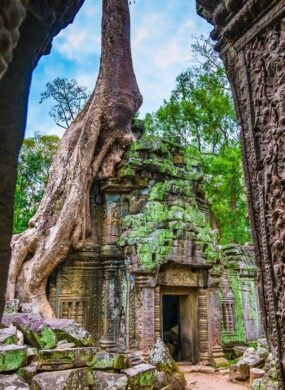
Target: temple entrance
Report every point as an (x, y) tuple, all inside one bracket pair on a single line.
[(179, 323)]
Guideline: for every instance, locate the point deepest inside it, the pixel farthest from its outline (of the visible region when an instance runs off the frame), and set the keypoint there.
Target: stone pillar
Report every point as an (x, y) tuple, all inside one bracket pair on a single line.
[(111, 304), (157, 313), (113, 262), (251, 41), (203, 326), (215, 321), (146, 312)]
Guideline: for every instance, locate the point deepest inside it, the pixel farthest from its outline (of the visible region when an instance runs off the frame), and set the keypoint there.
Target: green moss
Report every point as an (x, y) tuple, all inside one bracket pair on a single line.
[(45, 338), (146, 379), (239, 334), (12, 358), (171, 212)]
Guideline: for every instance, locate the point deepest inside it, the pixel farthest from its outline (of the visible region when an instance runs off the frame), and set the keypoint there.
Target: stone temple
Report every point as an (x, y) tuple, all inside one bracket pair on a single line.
[(153, 267)]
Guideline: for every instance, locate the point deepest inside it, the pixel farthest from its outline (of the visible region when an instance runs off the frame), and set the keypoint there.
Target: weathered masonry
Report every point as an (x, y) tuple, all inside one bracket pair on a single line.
[(152, 267), (250, 37)]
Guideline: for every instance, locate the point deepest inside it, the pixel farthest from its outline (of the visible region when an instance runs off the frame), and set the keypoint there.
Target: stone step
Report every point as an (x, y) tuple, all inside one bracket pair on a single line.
[(135, 358)]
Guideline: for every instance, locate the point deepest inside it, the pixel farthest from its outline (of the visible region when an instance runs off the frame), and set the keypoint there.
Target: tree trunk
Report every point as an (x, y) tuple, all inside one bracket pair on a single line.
[(39, 27), (91, 146)]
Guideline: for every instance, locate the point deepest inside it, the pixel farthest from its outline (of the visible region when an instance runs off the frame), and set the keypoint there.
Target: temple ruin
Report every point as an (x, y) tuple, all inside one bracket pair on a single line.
[(153, 267)]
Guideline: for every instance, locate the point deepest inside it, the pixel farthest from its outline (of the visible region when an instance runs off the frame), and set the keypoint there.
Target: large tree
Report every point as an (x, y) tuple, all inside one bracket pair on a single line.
[(44, 19), (92, 145)]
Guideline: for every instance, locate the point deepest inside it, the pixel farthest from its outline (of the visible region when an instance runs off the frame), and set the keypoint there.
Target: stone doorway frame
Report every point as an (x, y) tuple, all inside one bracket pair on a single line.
[(189, 323)]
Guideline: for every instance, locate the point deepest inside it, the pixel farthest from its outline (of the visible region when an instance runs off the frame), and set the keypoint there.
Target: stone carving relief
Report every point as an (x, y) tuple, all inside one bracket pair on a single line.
[(251, 40)]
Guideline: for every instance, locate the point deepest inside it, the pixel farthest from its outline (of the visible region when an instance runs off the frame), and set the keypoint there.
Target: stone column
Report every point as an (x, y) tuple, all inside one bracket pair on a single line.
[(203, 326), (113, 262), (215, 321), (157, 313), (251, 41), (146, 312), (111, 304)]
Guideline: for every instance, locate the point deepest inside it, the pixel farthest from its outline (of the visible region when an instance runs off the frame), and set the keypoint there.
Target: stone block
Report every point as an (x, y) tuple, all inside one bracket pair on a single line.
[(140, 377), (68, 330), (27, 373), (105, 360), (8, 335), (79, 379), (12, 357), (240, 370), (36, 332), (163, 361), (109, 381), (255, 373), (12, 382), (220, 362), (62, 359)]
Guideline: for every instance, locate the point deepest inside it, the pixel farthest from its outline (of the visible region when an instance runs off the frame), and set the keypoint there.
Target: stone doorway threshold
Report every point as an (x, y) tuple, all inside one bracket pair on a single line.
[(208, 378)]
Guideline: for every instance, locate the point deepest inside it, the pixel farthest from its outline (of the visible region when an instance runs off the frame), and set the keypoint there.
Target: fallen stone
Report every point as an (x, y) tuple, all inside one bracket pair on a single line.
[(27, 373), (240, 370), (162, 360), (197, 368), (12, 357), (255, 373), (77, 379), (12, 382), (105, 360), (9, 318), (70, 331), (140, 377), (109, 381), (63, 344), (8, 335), (36, 332), (62, 359), (220, 362), (12, 306)]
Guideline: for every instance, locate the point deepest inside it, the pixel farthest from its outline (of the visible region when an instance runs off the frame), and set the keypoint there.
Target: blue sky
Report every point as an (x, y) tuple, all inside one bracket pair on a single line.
[(162, 32)]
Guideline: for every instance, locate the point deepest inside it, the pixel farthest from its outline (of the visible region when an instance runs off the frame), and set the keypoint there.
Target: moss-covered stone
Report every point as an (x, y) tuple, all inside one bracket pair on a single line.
[(140, 377), (79, 379), (162, 360), (109, 381), (70, 331), (55, 359), (105, 360), (12, 357)]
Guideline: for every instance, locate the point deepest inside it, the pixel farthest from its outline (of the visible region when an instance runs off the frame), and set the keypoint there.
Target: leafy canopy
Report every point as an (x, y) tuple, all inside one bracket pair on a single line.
[(200, 115), (34, 162)]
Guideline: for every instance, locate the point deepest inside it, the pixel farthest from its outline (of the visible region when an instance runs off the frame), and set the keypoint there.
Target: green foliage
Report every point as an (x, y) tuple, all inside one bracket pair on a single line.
[(69, 100), (34, 163), (200, 115)]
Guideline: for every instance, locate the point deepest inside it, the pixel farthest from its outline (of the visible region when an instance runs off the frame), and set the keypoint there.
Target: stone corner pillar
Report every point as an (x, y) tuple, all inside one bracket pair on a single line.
[(147, 312), (250, 37)]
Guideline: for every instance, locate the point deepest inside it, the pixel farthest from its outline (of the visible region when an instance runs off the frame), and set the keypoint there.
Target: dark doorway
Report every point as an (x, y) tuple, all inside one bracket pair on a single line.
[(171, 324), (180, 331)]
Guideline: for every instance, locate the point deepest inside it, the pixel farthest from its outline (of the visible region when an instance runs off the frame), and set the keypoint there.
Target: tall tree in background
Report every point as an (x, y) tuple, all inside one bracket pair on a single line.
[(69, 99), (34, 163), (200, 115), (91, 146)]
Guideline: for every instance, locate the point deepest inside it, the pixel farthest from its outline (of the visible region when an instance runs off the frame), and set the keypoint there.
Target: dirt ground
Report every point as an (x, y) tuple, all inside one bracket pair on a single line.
[(200, 381)]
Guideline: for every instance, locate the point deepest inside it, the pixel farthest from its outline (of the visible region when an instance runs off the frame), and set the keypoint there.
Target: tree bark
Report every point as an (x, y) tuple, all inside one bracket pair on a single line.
[(91, 146), (39, 27)]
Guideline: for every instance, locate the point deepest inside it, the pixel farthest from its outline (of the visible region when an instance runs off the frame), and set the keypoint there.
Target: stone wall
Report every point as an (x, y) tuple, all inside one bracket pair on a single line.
[(152, 235)]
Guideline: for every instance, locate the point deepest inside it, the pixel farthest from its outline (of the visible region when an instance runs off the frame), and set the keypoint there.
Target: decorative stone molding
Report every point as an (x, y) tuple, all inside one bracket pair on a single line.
[(251, 40)]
